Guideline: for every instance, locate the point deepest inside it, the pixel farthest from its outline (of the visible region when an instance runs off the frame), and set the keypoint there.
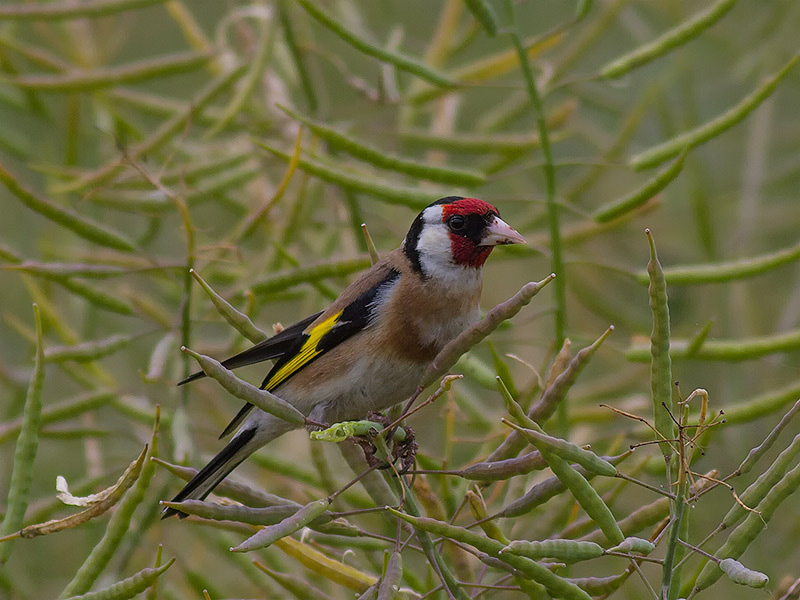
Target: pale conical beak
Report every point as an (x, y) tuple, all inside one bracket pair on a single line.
[(500, 233)]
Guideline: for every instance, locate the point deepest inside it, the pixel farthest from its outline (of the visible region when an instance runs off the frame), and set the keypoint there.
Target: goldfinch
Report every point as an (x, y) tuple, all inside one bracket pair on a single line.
[(368, 350)]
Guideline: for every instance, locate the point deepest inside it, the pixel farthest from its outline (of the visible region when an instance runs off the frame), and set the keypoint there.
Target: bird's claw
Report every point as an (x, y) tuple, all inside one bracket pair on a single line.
[(404, 452)]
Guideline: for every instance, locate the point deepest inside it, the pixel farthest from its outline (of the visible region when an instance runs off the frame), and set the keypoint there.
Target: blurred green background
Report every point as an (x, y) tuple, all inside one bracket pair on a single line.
[(100, 115)]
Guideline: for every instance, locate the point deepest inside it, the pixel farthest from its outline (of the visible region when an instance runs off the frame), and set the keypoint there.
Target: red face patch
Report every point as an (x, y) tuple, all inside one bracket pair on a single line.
[(465, 249), (467, 253), (467, 206)]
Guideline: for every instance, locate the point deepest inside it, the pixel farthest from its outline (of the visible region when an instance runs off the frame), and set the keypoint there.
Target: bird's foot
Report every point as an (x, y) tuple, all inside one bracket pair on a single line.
[(406, 451), (403, 451)]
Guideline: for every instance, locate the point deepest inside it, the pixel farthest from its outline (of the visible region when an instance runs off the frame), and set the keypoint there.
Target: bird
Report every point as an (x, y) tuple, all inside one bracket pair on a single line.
[(368, 350)]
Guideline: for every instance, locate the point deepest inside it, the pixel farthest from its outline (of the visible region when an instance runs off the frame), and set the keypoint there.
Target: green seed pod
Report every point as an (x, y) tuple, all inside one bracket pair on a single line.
[(282, 280), (61, 11), (134, 201), (57, 269), (660, 363), (504, 469), (567, 550), (763, 404), (454, 532), (170, 128), (714, 127), (634, 544), (401, 61), (569, 451), (240, 321), (484, 14), (557, 586), (617, 208), (551, 398), (587, 497), (735, 350), (231, 489), (756, 453), (756, 491), (544, 490), (348, 178), (61, 411), (129, 587), (264, 515), (598, 586), (272, 533), (87, 351), (241, 389), (381, 158), (298, 586), (85, 228), (269, 515), (478, 507), (740, 574), (107, 77), (747, 531), (675, 37), (118, 525), (721, 272), (391, 577), (27, 445), (469, 143), (97, 297)]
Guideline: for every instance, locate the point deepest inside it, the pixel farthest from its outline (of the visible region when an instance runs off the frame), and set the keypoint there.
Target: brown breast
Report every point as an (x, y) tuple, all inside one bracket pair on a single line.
[(421, 316)]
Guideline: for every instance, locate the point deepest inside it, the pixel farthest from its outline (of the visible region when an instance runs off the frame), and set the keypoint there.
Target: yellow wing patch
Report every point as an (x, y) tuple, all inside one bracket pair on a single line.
[(307, 352)]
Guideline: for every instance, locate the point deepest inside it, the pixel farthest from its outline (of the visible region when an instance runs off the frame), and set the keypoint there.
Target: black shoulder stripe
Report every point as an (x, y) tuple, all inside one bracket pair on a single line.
[(356, 315), (274, 347)]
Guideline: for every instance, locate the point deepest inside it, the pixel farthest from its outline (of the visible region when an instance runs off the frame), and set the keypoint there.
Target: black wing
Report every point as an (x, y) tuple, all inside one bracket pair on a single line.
[(274, 347), (294, 348), (329, 333)]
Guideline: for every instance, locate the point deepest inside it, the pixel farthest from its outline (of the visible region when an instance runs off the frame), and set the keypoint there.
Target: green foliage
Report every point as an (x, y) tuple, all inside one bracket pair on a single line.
[(145, 142)]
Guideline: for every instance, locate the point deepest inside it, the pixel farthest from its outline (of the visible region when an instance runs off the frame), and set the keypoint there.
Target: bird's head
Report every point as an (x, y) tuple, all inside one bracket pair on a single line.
[(456, 232)]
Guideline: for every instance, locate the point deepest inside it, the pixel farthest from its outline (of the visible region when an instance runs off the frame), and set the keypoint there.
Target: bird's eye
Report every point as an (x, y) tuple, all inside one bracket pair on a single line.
[(456, 223)]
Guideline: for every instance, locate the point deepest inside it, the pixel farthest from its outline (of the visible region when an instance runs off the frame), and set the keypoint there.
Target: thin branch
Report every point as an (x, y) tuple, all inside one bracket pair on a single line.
[(652, 488)]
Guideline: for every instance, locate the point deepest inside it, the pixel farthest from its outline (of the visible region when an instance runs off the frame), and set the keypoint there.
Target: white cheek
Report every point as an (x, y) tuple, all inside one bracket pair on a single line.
[(434, 244), (436, 258), (436, 255)]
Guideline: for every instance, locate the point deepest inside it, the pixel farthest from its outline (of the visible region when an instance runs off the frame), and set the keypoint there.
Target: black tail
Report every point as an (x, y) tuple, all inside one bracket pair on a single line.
[(214, 472)]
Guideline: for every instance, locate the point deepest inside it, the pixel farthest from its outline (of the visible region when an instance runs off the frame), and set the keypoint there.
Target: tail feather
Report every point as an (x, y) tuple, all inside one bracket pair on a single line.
[(236, 421), (215, 471)]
